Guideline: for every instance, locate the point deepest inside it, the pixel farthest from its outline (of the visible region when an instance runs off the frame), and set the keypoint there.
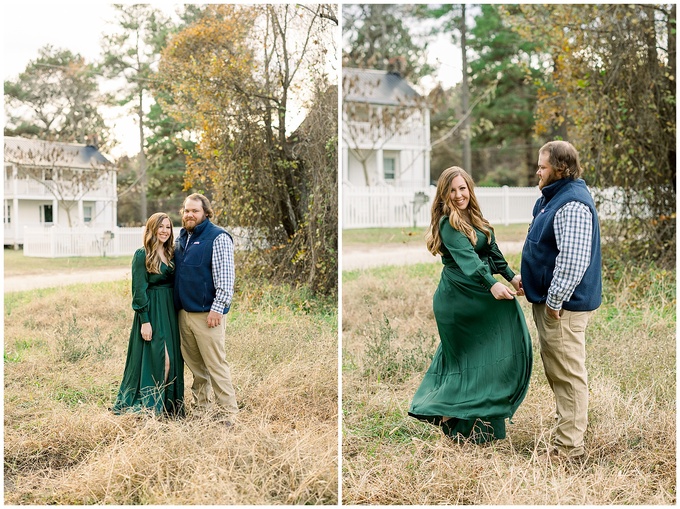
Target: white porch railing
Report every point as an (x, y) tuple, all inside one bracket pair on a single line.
[(364, 135), (26, 187), (394, 207)]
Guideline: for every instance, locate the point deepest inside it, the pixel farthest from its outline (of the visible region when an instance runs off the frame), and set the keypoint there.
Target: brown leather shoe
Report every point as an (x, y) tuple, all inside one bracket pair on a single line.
[(224, 419), (554, 455)]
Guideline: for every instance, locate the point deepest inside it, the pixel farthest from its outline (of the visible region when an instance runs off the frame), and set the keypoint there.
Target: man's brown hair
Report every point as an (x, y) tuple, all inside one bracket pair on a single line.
[(563, 158), (207, 209)]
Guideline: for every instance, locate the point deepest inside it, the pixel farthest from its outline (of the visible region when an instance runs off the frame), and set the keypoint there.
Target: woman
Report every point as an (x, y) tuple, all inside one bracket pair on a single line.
[(154, 371), (480, 371)]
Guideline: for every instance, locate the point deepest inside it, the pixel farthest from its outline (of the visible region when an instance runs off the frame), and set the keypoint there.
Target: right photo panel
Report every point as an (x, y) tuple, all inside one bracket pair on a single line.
[(508, 269)]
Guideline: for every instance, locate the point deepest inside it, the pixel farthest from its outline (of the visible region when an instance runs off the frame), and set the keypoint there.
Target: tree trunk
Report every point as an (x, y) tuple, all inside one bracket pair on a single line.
[(559, 131), (531, 159), (142, 164), (364, 166), (672, 26), (465, 99)]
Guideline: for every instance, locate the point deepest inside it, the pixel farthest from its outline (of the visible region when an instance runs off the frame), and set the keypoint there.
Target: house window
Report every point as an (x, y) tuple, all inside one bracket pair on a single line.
[(359, 112), (48, 174), (389, 168), (8, 213), (46, 214), (87, 213)]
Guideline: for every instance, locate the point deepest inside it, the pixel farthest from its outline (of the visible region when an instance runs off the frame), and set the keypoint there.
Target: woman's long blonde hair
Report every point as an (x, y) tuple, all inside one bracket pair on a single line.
[(151, 243), (443, 206)]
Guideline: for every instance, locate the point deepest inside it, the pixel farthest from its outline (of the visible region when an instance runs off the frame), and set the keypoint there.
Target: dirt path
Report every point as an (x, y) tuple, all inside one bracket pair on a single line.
[(363, 257), (32, 282), (353, 258)]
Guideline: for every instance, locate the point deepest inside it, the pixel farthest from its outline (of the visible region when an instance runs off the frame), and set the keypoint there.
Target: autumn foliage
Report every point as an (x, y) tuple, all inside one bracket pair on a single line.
[(611, 90), (234, 76)]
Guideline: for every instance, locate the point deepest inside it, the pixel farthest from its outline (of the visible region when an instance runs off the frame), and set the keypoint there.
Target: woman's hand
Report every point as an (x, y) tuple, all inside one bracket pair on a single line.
[(502, 292), (517, 284), (146, 331)]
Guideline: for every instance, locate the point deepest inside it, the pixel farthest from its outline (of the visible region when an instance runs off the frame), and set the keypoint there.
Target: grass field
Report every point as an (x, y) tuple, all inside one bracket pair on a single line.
[(389, 335), (16, 264), (371, 236), (64, 353)]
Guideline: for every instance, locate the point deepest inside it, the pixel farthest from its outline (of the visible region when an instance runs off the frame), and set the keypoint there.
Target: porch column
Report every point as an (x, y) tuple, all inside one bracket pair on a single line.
[(15, 219), (380, 166), (345, 164), (81, 212), (426, 156), (15, 206), (55, 211), (114, 200)]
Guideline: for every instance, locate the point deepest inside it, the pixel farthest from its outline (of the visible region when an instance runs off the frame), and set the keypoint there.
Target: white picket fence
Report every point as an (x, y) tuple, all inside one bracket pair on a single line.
[(398, 207), (56, 242), (362, 207)]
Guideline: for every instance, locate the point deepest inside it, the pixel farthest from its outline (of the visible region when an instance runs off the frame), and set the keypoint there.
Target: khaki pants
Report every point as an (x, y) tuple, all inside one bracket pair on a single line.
[(563, 350), (204, 353)]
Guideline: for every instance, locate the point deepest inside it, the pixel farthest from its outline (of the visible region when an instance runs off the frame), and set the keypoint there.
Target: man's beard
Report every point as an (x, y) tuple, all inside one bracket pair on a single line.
[(189, 228), (544, 183)]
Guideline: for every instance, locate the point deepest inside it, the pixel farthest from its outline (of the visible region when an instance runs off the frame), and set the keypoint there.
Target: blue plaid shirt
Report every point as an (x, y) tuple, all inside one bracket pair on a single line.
[(223, 271), (573, 226)]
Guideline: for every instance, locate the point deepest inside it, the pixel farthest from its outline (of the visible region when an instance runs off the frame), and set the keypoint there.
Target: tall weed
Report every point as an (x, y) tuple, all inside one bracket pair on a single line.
[(63, 445), (74, 343), (390, 458), (384, 360)]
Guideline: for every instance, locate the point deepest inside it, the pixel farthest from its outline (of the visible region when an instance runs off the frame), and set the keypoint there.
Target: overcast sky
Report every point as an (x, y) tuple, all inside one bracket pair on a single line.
[(28, 26), (78, 26), (75, 26)]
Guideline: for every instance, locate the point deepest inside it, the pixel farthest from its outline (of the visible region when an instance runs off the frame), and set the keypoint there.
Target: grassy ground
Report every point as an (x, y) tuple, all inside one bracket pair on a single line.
[(389, 335), (372, 236), (16, 264), (64, 353)]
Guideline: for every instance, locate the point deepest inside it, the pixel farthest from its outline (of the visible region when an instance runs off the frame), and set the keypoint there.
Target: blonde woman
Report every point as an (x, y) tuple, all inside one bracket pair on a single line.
[(153, 379), (480, 372)]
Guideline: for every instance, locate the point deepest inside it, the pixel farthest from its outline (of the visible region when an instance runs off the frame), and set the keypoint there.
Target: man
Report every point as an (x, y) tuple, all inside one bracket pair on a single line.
[(204, 286), (562, 278)]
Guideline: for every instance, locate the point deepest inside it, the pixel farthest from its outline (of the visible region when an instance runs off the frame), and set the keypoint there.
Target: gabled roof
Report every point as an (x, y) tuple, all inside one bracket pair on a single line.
[(377, 87), (53, 154), (326, 101)]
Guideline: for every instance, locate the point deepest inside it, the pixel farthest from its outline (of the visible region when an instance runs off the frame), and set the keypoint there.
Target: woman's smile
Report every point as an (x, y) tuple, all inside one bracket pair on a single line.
[(460, 194)]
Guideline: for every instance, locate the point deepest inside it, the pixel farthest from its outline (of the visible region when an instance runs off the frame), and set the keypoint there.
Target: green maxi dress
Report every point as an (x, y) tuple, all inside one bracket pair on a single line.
[(143, 387), (480, 371)]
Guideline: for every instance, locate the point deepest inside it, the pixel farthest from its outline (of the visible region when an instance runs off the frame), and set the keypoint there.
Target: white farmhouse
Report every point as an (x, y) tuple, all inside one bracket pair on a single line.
[(56, 184), (386, 131)]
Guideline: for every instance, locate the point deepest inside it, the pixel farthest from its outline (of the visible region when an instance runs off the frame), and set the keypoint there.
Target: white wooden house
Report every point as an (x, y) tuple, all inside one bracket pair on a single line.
[(385, 132), (56, 184)]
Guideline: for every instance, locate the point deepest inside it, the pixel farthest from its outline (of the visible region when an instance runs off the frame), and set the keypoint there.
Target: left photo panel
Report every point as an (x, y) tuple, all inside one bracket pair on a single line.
[(171, 254)]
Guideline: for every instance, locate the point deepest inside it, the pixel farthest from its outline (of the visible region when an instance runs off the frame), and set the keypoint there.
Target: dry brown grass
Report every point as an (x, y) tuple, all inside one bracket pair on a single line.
[(16, 264), (376, 237), (390, 458), (64, 358)]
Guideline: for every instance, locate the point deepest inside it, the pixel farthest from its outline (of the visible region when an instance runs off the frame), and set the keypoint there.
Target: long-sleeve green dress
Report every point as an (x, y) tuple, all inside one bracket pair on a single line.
[(480, 372), (143, 386)]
